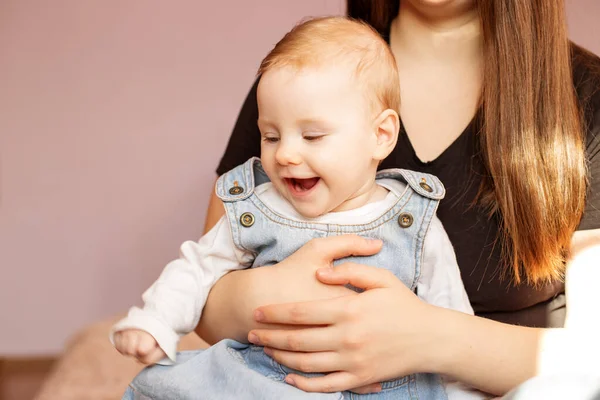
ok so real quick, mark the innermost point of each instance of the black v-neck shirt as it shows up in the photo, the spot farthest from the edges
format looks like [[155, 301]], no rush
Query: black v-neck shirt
[[471, 232]]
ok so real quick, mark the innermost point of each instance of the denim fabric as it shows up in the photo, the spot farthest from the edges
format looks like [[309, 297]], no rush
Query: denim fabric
[[230, 370], [272, 237]]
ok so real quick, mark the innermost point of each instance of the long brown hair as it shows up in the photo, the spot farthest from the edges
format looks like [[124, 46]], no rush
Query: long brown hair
[[531, 131]]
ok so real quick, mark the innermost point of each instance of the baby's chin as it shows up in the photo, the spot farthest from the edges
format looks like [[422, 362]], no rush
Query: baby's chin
[[311, 212]]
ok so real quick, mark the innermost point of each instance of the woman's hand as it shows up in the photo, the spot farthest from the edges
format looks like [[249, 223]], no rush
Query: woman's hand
[[292, 280], [380, 334]]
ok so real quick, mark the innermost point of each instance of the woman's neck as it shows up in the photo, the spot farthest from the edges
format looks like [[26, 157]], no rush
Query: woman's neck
[[449, 31]]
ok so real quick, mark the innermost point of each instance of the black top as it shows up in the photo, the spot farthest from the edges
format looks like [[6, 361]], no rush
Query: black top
[[470, 230]]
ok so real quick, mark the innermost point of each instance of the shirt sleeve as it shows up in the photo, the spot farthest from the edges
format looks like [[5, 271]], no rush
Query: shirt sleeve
[[574, 349], [174, 303], [244, 141], [440, 282]]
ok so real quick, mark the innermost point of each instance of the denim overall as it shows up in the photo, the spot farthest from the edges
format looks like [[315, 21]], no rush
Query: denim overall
[[231, 370]]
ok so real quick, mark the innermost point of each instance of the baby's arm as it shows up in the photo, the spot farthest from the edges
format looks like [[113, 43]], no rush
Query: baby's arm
[[174, 303]]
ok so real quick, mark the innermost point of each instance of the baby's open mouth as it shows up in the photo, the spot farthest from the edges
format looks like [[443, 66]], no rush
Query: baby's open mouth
[[302, 185]]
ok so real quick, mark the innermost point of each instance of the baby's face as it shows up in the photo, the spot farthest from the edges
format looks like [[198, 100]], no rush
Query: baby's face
[[318, 138]]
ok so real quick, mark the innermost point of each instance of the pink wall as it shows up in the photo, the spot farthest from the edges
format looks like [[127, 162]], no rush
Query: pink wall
[[113, 116], [583, 23]]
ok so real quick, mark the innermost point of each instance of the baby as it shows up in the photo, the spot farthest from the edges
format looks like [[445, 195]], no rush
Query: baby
[[328, 103]]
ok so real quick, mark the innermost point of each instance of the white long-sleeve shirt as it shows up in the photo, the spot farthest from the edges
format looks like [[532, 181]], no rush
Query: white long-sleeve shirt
[[174, 303]]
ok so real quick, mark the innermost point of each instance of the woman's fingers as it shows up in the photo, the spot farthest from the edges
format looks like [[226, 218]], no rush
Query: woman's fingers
[[358, 275], [303, 340], [333, 247], [318, 312], [324, 362], [334, 382]]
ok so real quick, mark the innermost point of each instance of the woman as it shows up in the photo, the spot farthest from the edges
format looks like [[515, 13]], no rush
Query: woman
[[506, 112]]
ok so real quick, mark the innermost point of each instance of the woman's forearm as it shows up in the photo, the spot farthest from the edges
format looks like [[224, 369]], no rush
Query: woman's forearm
[[227, 313], [231, 302], [496, 357], [491, 356]]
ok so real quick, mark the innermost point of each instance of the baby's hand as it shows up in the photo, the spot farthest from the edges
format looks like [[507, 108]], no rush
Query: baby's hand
[[138, 344]]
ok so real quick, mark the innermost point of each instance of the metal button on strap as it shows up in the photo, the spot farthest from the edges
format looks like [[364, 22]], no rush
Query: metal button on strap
[[405, 220], [425, 186], [247, 219], [236, 189]]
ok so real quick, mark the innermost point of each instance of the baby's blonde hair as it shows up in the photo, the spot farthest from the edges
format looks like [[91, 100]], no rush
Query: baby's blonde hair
[[341, 41]]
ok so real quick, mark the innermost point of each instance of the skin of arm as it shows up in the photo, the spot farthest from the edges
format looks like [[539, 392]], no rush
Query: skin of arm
[[214, 212], [482, 346]]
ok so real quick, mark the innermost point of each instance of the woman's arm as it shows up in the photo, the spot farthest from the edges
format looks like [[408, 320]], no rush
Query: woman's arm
[[489, 355], [367, 339], [386, 332], [230, 316], [214, 212], [231, 302]]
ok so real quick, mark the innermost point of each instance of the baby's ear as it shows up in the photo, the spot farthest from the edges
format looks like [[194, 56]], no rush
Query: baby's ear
[[387, 126]]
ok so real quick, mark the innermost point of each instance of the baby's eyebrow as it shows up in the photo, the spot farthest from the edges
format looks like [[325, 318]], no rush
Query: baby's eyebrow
[[265, 122], [307, 121], [314, 122]]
